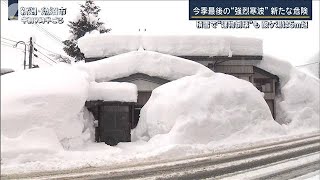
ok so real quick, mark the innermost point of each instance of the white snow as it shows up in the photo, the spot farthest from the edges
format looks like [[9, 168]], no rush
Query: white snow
[[312, 66], [92, 45], [40, 107], [106, 45], [298, 104], [147, 62], [205, 108], [113, 91], [45, 126]]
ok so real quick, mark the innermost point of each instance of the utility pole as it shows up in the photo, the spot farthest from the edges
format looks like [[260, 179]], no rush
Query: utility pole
[[25, 52], [30, 53]]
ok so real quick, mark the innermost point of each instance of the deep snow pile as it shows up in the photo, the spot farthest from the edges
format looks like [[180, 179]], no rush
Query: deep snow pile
[[205, 108], [298, 104], [45, 127], [147, 62], [105, 45], [40, 107], [113, 91]]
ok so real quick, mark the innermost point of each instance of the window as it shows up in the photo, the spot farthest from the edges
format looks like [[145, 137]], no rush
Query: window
[[245, 78], [264, 85]]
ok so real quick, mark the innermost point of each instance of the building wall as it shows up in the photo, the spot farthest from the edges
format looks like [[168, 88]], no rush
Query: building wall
[[144, 85]]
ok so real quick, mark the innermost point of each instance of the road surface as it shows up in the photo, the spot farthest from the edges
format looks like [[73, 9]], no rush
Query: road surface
[[278, 160]]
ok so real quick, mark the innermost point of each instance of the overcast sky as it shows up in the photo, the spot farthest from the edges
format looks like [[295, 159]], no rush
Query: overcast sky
[[158, 17]]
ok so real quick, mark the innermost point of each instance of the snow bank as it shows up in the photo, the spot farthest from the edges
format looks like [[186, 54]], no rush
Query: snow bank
[[205, 108], [298, 104], [40, 107], [147, 62], [106, 45], [113, 91]]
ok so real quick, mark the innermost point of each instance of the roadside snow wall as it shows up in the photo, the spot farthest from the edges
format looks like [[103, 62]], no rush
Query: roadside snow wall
[[95, 45], [205, 108]]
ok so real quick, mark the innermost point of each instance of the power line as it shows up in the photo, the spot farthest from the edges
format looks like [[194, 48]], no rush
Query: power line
[[4, 42], [9, 39], [46, 49], [55, 36], [308, 64], [46, 56], [47, 33], [6, 45], [43, 60], [63, 57], [12, 46]]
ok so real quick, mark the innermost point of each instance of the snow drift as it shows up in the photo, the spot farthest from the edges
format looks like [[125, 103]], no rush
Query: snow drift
[[205, 108], [147, 62], [298, 104], [95, 45], [44, 125], [42, 106]]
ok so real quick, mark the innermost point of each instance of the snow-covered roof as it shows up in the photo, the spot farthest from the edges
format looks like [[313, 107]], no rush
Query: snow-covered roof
[[105, 45], [6, 70], [146, 62], [113, 91]]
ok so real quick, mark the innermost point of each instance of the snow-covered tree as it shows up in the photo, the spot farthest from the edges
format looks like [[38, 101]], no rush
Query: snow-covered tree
[[86, 21]]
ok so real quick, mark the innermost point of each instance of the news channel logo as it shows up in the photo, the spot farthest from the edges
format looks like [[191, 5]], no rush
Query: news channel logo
[[13, 9]]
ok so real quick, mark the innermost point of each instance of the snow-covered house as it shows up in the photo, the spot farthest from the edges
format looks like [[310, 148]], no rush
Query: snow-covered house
[[235, 56]]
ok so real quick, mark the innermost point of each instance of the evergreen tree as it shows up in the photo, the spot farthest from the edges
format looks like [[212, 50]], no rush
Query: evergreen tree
[[87, 21]]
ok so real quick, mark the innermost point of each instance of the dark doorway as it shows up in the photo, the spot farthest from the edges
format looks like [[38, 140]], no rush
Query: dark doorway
[[114, 121], [114, 124], [136, 116]]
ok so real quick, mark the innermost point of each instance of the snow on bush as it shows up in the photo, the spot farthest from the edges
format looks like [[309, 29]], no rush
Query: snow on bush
[[113, 91], [41, 107], [298, 103], [106, 45], [147, 62], [205, 108]]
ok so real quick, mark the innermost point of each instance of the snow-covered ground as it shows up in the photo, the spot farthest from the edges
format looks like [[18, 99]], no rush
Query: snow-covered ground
[[45, 126], [311, 176]]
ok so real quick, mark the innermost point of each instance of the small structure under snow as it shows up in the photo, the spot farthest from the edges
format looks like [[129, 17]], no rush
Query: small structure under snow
[[230, 55], [114, 103], [151, 61], [112, 99]]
